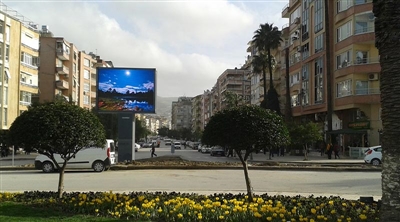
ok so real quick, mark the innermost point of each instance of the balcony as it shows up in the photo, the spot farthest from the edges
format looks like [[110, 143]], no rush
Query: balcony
[[93, 83], [285, 30], [360, 96], [285, 11], [62, 84], [62, 70], [360, 65], [92, 94], [63, 54], [293, 4]]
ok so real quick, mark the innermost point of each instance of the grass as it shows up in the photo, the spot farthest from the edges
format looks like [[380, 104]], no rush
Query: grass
[[16, 212]]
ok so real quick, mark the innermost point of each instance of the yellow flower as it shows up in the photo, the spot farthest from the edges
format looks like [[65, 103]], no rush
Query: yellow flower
[[330, 202], [313, 211], [159, 210], [221, 217], [258, 215], [269, 218], [180, 216], [97, 210], [226, 212]]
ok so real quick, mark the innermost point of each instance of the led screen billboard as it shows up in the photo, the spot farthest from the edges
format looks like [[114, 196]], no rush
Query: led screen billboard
[[126, 90]]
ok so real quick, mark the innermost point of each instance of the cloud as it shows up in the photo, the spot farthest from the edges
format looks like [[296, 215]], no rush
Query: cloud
[[190, 43]]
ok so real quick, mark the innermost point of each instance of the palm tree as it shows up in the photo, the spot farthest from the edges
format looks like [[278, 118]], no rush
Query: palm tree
[[265, 39], [387, 41]]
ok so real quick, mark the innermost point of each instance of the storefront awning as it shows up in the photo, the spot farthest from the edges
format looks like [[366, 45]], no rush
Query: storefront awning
[[347, 131]]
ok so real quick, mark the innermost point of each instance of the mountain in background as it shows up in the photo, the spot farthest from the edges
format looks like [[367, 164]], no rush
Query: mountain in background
[[164, 106]]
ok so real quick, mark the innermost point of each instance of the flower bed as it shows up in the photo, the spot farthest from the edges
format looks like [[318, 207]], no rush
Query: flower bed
[[158, 206]]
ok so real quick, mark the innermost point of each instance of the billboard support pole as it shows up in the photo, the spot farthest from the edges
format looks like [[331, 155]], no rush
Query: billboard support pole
[[133, 137], [126, 149]]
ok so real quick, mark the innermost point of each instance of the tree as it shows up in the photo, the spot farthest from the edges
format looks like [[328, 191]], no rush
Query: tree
[[265, 39], [246, 129], [232, 99], [329, 67], [163, 131], [57, 128], [140, 130], [387, 41], [304, 135]]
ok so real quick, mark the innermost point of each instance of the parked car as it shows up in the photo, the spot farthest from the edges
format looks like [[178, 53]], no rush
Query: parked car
[[167, 142], [177, 145], [373, 155], [137, 147], [217, 151], [97, 158], [146, 145], [195, 145], [205, 149]]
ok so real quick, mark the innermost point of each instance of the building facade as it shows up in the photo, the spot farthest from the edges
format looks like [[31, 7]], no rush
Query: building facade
[[354, 66], [19, 61], [181, 115]]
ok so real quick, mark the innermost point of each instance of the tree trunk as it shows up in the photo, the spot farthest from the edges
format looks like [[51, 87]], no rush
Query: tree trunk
[[329, 67], [288, 104], [305, 152], [61, 180], [387, 31], [271, 82], [246, 176], [265, 86]]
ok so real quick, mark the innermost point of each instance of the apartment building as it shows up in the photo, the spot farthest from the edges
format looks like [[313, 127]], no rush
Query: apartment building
[[197, 110], [354, 65], [181, 115], [234, 81], [19, 44], [66, 72]]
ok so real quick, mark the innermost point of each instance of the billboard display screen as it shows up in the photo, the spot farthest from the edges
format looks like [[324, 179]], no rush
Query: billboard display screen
[[126, 90]]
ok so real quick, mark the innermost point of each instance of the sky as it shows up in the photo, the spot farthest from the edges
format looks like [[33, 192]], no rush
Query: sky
[[123, 80], [189, 42]]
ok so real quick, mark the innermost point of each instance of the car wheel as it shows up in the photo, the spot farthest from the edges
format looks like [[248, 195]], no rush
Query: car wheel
[[98, 166], [375, 162], [47, 167]]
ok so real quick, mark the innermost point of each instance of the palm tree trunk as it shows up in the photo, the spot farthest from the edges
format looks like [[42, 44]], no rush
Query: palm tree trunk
[[387, 41], [271, 82], [288, 104], [329, 80], [265, 84], [246, 176]]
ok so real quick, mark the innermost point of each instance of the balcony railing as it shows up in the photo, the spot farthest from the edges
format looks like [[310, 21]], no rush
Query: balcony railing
[[62, 70], [24, 103], [62, 84], [363, 30], [371, 60], [367, 91]]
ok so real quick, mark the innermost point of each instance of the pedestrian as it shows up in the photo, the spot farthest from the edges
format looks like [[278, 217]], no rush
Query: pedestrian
[[153, 150], [336, 151], [329, 148]]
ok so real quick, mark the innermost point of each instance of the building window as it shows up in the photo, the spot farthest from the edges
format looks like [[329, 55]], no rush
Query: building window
[[319, 43], [1, 51], [319, 15], [295, 15], [319, 81], [343, 5], [305, 21], [5, 95], [343, 88], [361, 88], [305, 72], [305, 50], [364, 23], [305, 92], [295, 78], [31, 61], [25, 98], [344, 31], [361, 57], [86, 62], [86, 100], [5, 116], [295, 100], [86, 74], [86, 87], [343, 60], [294, 58], [7, 33], [7, 52], [74, 68]]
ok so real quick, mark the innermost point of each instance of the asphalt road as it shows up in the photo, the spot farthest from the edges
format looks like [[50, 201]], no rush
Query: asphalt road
[[348, 185]]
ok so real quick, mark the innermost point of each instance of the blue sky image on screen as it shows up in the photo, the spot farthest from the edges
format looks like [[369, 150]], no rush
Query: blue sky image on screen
[[127, 89]]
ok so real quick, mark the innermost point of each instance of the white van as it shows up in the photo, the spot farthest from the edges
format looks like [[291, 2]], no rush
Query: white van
[[98, 159]]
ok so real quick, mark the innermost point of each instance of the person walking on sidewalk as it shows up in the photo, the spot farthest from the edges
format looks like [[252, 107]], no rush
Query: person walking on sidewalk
[[329, 149], [153, 150], [336, 150]]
